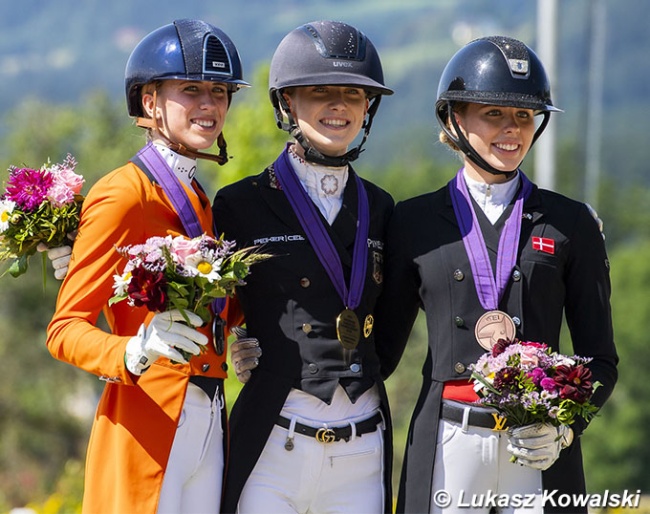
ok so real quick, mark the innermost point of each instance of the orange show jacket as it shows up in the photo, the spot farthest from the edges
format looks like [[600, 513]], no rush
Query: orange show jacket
[[136, 417]]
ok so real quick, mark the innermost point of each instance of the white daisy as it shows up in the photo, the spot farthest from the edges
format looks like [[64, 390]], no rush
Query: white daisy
[[121, 283], [6, 208], [203, 266]]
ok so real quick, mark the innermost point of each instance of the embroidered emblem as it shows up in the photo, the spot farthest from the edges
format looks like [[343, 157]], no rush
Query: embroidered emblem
[[544, 244], [273, 179], [329, 184], [377, 267], [368, 323]]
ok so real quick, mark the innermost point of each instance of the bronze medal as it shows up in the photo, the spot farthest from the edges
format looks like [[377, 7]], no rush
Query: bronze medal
[[348, 330], [492, 326]]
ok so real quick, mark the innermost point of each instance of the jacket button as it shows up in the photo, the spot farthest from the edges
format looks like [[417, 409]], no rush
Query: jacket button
[[355, 368], [459, 367], [306, 328], [516, 275], [205, 367], [459, 321], [459, 275], [305, 282], [313, 368], [516, 321]]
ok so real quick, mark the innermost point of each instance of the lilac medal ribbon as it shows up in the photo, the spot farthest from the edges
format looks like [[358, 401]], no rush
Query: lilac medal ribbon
[[164, 175], [317, 234], [489, 289]]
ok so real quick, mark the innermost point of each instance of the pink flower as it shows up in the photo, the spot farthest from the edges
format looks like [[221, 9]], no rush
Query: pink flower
[[68, 178], [529, 356], [28, 187], [60, 194], [183, 248], [548, 384], [537, 375]]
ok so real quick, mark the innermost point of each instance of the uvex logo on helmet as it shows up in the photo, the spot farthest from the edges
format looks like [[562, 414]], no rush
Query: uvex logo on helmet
[[342, 64]]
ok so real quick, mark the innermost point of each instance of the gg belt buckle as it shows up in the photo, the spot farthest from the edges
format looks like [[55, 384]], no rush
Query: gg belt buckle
[[499, 422], [325, 435]]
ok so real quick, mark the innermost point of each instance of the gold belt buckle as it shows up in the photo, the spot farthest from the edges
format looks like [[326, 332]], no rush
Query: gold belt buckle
[[325, 435], [499, 422]]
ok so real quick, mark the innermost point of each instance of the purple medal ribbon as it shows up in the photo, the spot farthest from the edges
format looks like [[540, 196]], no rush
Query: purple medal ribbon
[[489, 289], [172, 187], [317, 234]]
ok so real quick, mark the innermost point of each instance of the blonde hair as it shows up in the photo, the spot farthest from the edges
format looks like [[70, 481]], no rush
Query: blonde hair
[[456, 107]]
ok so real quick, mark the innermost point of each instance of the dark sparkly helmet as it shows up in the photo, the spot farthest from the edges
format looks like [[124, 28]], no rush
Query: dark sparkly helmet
[[496, 70]]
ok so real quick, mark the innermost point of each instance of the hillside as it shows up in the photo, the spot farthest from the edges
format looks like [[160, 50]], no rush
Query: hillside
[[60, 50]]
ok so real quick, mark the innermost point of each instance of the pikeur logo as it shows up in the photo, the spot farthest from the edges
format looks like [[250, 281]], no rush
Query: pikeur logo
[[342, 64]]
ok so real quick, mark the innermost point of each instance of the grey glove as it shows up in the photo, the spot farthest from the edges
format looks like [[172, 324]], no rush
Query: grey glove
[[538, 446], [245, 353], [163, 338], [60, 258]]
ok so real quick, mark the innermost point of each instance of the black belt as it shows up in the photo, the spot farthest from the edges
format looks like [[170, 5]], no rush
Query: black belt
[[477, 417], [208, 384], [331, 434]]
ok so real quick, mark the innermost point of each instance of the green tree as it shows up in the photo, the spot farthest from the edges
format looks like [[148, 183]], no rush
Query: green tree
[[616, 456]]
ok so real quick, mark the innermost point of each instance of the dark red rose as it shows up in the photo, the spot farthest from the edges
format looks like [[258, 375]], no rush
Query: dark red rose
[[500, 346], [149, 289], [574, 382]]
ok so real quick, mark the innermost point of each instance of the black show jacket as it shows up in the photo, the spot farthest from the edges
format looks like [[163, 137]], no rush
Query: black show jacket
[[290, 306], [427, 267]]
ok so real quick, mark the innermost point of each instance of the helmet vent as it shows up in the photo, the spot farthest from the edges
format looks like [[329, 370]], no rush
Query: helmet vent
[[216, 57], [338, 41]]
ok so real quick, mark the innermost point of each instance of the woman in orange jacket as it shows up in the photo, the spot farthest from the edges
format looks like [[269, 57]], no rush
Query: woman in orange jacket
[[157, 442]]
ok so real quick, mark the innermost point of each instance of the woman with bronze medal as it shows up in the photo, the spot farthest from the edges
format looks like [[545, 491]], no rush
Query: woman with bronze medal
[[310, 430], [492, 257]]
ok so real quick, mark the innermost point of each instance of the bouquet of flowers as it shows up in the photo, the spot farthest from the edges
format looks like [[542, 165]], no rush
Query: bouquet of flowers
[[167, 273], [529, 383], [38, 206]]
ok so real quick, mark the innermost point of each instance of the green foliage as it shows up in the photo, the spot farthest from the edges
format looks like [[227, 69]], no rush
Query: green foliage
[[616, 456]]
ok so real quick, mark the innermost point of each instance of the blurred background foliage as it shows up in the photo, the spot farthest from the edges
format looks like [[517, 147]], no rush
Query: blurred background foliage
[[46, 407]]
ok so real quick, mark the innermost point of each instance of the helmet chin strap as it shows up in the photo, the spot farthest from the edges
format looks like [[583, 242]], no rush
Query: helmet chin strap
[[313, 155], [152, 123], [463, 144]]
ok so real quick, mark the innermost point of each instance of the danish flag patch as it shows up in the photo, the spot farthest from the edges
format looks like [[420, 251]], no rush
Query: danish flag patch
[[544, 244]]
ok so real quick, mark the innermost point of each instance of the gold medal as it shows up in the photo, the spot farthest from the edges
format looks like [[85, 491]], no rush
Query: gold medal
[[492, 326], [368, 323], [348, 330]]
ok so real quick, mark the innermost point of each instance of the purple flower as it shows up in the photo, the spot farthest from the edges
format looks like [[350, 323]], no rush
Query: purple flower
[[537, 375], [28, 187], [548, 384]]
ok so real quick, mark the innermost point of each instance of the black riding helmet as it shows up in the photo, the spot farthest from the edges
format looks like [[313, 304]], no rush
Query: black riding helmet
[[494, 70], [186, 50], [325, 53]]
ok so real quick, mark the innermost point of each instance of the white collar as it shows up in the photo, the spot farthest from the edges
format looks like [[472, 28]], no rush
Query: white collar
[[492, 198], [322, 181], [183, 167]]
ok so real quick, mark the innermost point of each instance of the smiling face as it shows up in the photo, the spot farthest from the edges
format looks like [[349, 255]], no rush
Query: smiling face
[[501, 135], [191, 113], [330, 117]]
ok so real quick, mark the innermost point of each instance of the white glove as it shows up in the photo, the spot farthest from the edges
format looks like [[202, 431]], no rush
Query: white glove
[[538, 446], [164, 337], [244, 354], [60, 258]]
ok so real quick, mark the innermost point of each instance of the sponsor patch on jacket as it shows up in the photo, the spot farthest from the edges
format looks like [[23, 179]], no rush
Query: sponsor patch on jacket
[[283, 238], [544, 244]]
